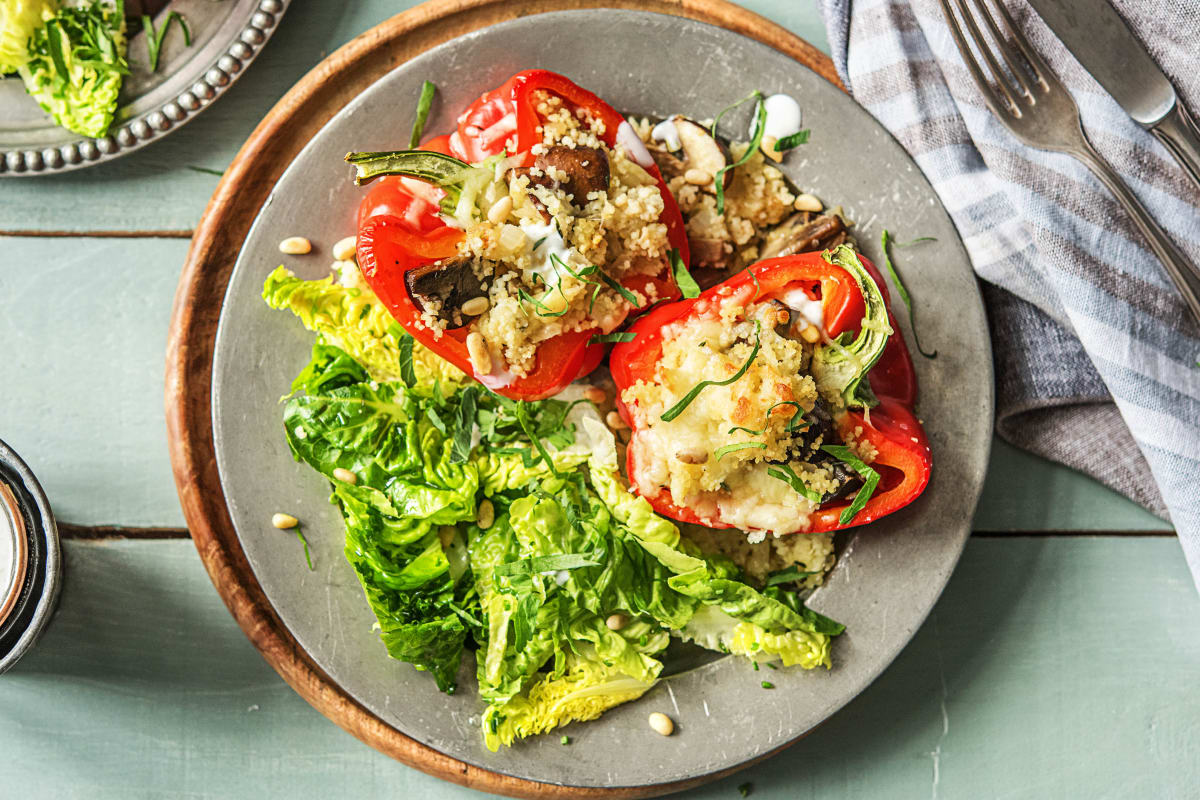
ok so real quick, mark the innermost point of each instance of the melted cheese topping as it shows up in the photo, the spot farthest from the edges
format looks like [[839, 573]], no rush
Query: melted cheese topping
[[682, 454]]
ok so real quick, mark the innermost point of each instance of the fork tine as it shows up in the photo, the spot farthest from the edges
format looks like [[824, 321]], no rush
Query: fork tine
[[993, 65], [989, 95], [1020, 68], [1039, 67]]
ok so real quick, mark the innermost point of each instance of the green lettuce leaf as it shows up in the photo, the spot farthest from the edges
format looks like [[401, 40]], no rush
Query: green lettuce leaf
[[714, 629], [76, 65], [19, 19], [356, 322]]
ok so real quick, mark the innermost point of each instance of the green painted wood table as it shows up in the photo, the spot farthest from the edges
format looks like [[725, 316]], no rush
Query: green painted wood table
[[1060, 663]]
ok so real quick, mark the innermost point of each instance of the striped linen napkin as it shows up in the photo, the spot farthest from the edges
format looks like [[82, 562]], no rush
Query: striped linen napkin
[[1096, 355]]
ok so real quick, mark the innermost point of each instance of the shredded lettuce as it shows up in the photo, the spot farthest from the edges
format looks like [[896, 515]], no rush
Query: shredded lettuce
[[76, 64], [19, 19]]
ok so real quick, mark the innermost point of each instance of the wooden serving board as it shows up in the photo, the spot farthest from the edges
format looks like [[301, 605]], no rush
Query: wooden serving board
[[215, 247]]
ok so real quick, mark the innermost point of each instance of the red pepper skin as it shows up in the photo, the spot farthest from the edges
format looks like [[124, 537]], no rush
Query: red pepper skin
[[400, 228], [903, 457]]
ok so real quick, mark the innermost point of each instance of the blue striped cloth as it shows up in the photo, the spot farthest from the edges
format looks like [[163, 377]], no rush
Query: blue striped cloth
[[1096, 354]]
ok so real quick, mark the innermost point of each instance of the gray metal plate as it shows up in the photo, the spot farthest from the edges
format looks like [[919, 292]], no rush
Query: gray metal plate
[[226, 37], [889, 575]]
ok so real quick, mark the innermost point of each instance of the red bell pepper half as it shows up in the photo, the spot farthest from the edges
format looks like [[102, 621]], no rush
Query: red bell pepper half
[[400, 226], [883, 411]]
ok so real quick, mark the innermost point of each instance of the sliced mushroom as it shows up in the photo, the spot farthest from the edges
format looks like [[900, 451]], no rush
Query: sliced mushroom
[[669, 164], [821, 431], [800, 233], [700, 150], [585, 170], [450, 282]]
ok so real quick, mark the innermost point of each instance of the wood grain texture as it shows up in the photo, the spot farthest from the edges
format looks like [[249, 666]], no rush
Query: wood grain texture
[[1032, 679], [239, 196]]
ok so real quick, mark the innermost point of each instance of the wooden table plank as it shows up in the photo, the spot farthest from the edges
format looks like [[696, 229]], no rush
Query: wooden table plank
[[153, 190], [84, 331], [1052, 667]]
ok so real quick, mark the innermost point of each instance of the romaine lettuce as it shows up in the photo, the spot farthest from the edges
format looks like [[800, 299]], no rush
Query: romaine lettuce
[[19, 19], [76, 65]]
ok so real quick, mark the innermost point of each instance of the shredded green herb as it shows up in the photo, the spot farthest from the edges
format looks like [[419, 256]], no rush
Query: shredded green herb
[[303, 541], [683, 279], [620, 336], [793, 423], [784, 473], [755, 663], [404, 339], [870, 480], [789, 575], [206, 170], [154, 38], [768, 685], [423, 105], [677, 409], [464, 427], [795, 140], [745, 789], [756, 135], [721, 452], [565, 740], [619, 289], [885, 240]]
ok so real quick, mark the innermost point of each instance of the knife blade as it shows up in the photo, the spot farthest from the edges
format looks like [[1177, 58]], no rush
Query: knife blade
[[1102, 42]]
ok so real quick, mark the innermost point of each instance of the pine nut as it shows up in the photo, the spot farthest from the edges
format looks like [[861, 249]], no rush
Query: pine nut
[[500, 210], [616, 621], [345, 476], [475, 306], [697, 177], [345, 249], [295, 246], [661, 723], [810, 334], [594, 394], [614, 421], [284, 521], [768, 148], [486, 515], [481, 359], [808, 202]]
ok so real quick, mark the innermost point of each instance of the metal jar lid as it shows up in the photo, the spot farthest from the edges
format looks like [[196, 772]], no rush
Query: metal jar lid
[[30, 566]]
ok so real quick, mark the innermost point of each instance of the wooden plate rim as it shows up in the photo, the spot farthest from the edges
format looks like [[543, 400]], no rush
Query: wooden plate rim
[[199, 296]]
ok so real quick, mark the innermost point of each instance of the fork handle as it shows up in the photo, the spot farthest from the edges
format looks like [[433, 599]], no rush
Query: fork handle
[[1185, 275], [1177, 130]]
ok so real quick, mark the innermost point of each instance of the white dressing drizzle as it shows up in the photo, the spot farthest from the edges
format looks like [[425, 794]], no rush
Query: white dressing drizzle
[[809, 309], [783, 116]]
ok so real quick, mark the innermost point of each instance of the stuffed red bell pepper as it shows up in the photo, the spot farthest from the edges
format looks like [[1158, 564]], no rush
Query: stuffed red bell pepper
[[778, 401], [506, 246]]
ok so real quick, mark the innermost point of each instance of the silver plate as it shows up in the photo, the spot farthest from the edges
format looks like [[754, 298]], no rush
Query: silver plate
[[890, 573], [226, 37]]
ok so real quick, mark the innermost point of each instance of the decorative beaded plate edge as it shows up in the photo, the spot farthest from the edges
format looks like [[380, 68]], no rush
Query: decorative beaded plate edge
[[202, 78]]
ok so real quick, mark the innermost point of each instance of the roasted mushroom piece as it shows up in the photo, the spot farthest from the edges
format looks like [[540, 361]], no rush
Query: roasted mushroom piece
[[802, 233], [576, 171], [443, 287], [820, 431], [701, 150]]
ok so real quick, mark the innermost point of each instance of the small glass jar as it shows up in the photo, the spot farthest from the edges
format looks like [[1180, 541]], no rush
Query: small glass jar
[[30, 563]]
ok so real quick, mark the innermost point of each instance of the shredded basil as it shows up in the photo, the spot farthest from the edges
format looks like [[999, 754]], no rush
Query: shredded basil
[[757, 286], [604, 338], [522, 414], [746, 788], [404, 340], [464, 427], [423, 105], [795, 140], [543, 310], [721, 452], [760, 124], [436, 420], [796, 419], [206, 170], [677, 409], [768, 685], [784, 473], [885, 240], [789, 575], [621, 290], [154, 38], [683, 279], [303, 541], [870, 480]]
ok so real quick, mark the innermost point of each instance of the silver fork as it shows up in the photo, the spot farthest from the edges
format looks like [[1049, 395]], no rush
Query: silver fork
[[1032, 103]]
